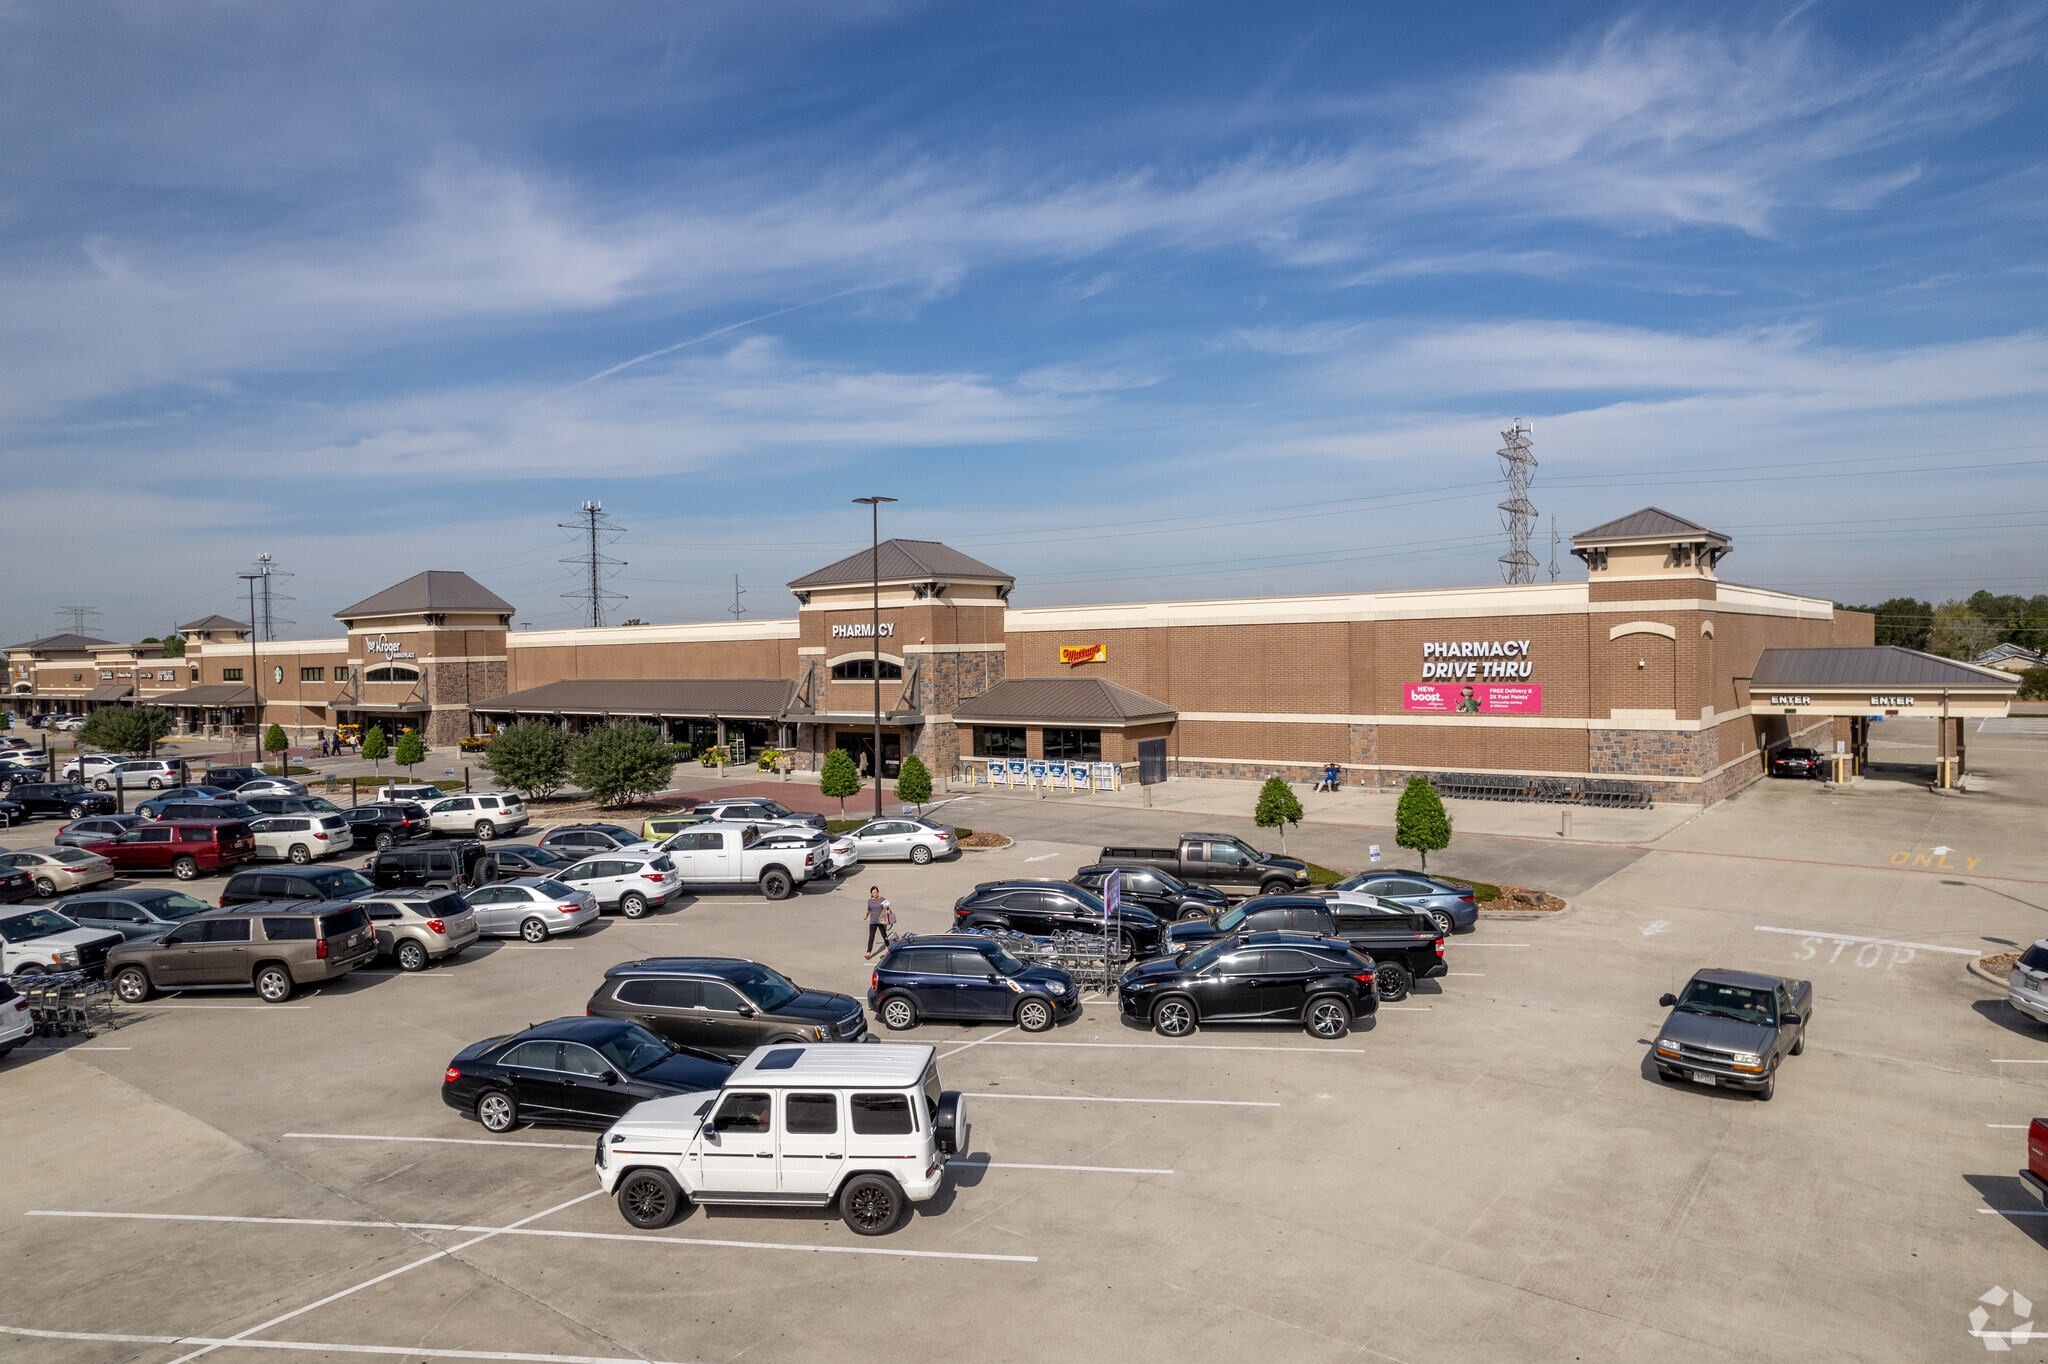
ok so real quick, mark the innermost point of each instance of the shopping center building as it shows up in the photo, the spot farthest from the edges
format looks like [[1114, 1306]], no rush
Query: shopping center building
[[1648, 669]]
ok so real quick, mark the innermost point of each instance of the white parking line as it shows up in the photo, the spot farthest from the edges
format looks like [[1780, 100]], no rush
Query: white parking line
[[1493, 944], [1167, 1046], [536, 947], [1100, 1099], [319, 1347], [439, 1141], [1882, 942], [2019, 1061], [1464, 973], [403, 975], [2008, 1126], [979, 1041], [521, 1229], [2016, 1212], [78, 1049], [1083, 1169], [264, 1007]]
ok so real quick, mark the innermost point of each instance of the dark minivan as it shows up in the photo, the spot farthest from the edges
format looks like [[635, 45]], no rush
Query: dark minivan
[[724, 1004], [304, 884]]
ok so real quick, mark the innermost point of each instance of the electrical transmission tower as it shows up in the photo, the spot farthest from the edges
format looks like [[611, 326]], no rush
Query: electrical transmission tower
[[270, 598], [736, 610], [1553, 547], [1518, 565], [80, 616], [597, 530]]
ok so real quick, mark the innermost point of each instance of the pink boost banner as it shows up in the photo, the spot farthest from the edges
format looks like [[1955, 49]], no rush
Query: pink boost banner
[[1474, 698]]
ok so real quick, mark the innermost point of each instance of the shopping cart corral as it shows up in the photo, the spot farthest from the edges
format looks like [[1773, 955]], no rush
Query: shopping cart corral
[[65, 1003], [1094, 964]]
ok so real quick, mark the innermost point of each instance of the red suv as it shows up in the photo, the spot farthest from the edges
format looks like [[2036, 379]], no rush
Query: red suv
[[185, 848]]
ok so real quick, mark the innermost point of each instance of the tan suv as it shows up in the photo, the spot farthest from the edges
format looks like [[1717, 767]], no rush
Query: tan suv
[[416, 932], [273, 946]]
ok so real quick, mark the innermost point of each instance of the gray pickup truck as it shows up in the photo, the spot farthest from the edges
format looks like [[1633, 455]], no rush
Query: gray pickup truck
[[1221, 860], [1732, 1029]]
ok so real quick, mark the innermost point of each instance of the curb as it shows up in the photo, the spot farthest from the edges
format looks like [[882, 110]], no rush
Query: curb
[[1510, 916], [1008, 843], [1975, 966]]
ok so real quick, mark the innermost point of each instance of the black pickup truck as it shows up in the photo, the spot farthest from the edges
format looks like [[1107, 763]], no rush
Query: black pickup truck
[[1221, 860], [1404, 947]]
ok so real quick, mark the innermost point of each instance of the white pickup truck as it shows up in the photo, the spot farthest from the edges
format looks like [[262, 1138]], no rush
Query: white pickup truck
[[719, 854], [36, 941]]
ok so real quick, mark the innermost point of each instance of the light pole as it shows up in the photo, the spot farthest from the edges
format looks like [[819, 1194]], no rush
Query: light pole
[[256, 666], [874, 506]]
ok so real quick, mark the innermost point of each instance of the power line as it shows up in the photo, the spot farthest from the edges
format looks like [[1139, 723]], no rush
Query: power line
[[79, 616], [737, 592], [1517, 466], [270, 598], [597, 529]]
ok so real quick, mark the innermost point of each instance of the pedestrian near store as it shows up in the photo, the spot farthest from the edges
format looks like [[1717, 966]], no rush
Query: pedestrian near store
[[881, 918], [1331, 777]]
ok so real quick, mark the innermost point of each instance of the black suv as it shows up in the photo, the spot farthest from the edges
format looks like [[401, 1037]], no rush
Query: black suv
[[1320, 984], [724, 1004], [581, 840], [60, 799], [213, 810], [441, 866], [966, 975], [295, 883], [386, 823], [228, 778], [1159, 891], [1042, 907], [524, 859]]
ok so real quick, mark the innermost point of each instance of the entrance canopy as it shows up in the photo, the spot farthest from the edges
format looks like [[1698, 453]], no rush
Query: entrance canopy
[[724, 698], [1094, 701], [1876, 680]]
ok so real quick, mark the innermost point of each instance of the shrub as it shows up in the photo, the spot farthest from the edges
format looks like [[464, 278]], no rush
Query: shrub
[[840, 777], [1277, 808], [531, 758], [375, 748], [622, 761], [1420, 821], [2034, 684], [914, 782], [276, 741], [769, 757], [121, 729], [410, 752]]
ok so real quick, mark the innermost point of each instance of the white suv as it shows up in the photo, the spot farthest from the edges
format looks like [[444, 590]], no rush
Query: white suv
[[91, 767], [630, 880], [17, 1025], [866, 1128], [301, 838], [486, 817]]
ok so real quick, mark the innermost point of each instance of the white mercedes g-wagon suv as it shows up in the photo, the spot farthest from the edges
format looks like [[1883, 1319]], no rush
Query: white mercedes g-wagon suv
[[867, 1128]]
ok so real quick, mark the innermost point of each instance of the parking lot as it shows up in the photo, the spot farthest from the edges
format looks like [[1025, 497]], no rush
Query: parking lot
[[1490, 1171]]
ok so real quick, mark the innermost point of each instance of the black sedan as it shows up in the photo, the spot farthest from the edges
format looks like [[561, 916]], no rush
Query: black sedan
[[11, 814], [60, 799], [1315, 983], [229, 778], [97, 829], [1038, 908], [584, 1072], [514, 860], [388, 823], [15, 886], [1159, 891], [1798, 762]]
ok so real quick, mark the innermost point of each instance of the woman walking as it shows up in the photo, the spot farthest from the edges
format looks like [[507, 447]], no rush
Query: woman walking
[[881, 919]]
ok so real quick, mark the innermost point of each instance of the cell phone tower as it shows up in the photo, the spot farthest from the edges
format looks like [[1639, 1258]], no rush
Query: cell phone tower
[[270, 598], [1517, 516], [596, 529]]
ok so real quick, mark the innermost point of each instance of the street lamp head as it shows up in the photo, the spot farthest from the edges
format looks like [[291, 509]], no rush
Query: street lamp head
[[871, 501]]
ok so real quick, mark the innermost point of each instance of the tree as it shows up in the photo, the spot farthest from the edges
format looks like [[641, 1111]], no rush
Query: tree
[[1420, 821], [274, 741], [174, 646], [634, 621], [1903, 622], [1277, 808], [1960, 632], [410, 752], [621, 761], [840, 777], [913, 782], [375, 747], [121, 729], [2034, 684], [531, 758]]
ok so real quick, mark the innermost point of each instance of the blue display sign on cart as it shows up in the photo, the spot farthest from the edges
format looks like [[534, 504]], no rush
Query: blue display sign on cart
[[1017, 771], [1037, 773], [998, 774]]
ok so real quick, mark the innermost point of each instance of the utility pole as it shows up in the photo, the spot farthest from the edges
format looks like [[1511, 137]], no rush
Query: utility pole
[[596, 529], [79, 616], [1518, 565], [1553, 547], [255, 667], [874, 506], [272, 577], [736, 610]]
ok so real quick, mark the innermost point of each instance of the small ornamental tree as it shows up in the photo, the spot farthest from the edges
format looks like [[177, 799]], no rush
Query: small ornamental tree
[[1277, 808], [914, 783], [275, 741], [621, 761], [1420, 821], [410, 752], [375, 747], [840, 778], [121, 729], [531, 758]]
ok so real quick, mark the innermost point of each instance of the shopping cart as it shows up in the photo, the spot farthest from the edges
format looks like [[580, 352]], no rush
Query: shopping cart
[[66, 1003], [1094, 964]]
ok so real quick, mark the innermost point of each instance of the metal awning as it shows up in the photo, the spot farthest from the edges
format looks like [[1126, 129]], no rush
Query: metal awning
[[1876, 680], [111, 691], [682, 698], [213, 695]]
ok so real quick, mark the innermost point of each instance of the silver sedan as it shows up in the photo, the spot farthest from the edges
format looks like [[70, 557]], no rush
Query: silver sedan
[[896, 840]]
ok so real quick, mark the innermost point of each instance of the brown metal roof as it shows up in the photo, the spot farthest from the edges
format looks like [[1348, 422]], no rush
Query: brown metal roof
[[110, 691], [1874, 666], [435, 590], [216, 623], [731, 697], [1060, 700], [213, 694], [1648, 521], [64, 641], [903, 561]]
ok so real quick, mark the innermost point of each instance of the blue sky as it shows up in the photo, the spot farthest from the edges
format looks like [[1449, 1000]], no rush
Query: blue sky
[[1135, 301]]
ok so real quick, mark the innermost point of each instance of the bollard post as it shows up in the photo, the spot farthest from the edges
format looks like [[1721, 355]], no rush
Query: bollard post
[[1566, 830], [465, 779], [351, 793]]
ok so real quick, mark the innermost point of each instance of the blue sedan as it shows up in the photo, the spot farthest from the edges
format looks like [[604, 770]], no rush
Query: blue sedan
[[1455, 908], [149, 809]]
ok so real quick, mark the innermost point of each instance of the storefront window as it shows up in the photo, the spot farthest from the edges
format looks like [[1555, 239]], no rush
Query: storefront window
[[341, 674], [312, 674], [998, 741], [230, 674], [863, 670], [393, 672], [1074, 745]]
